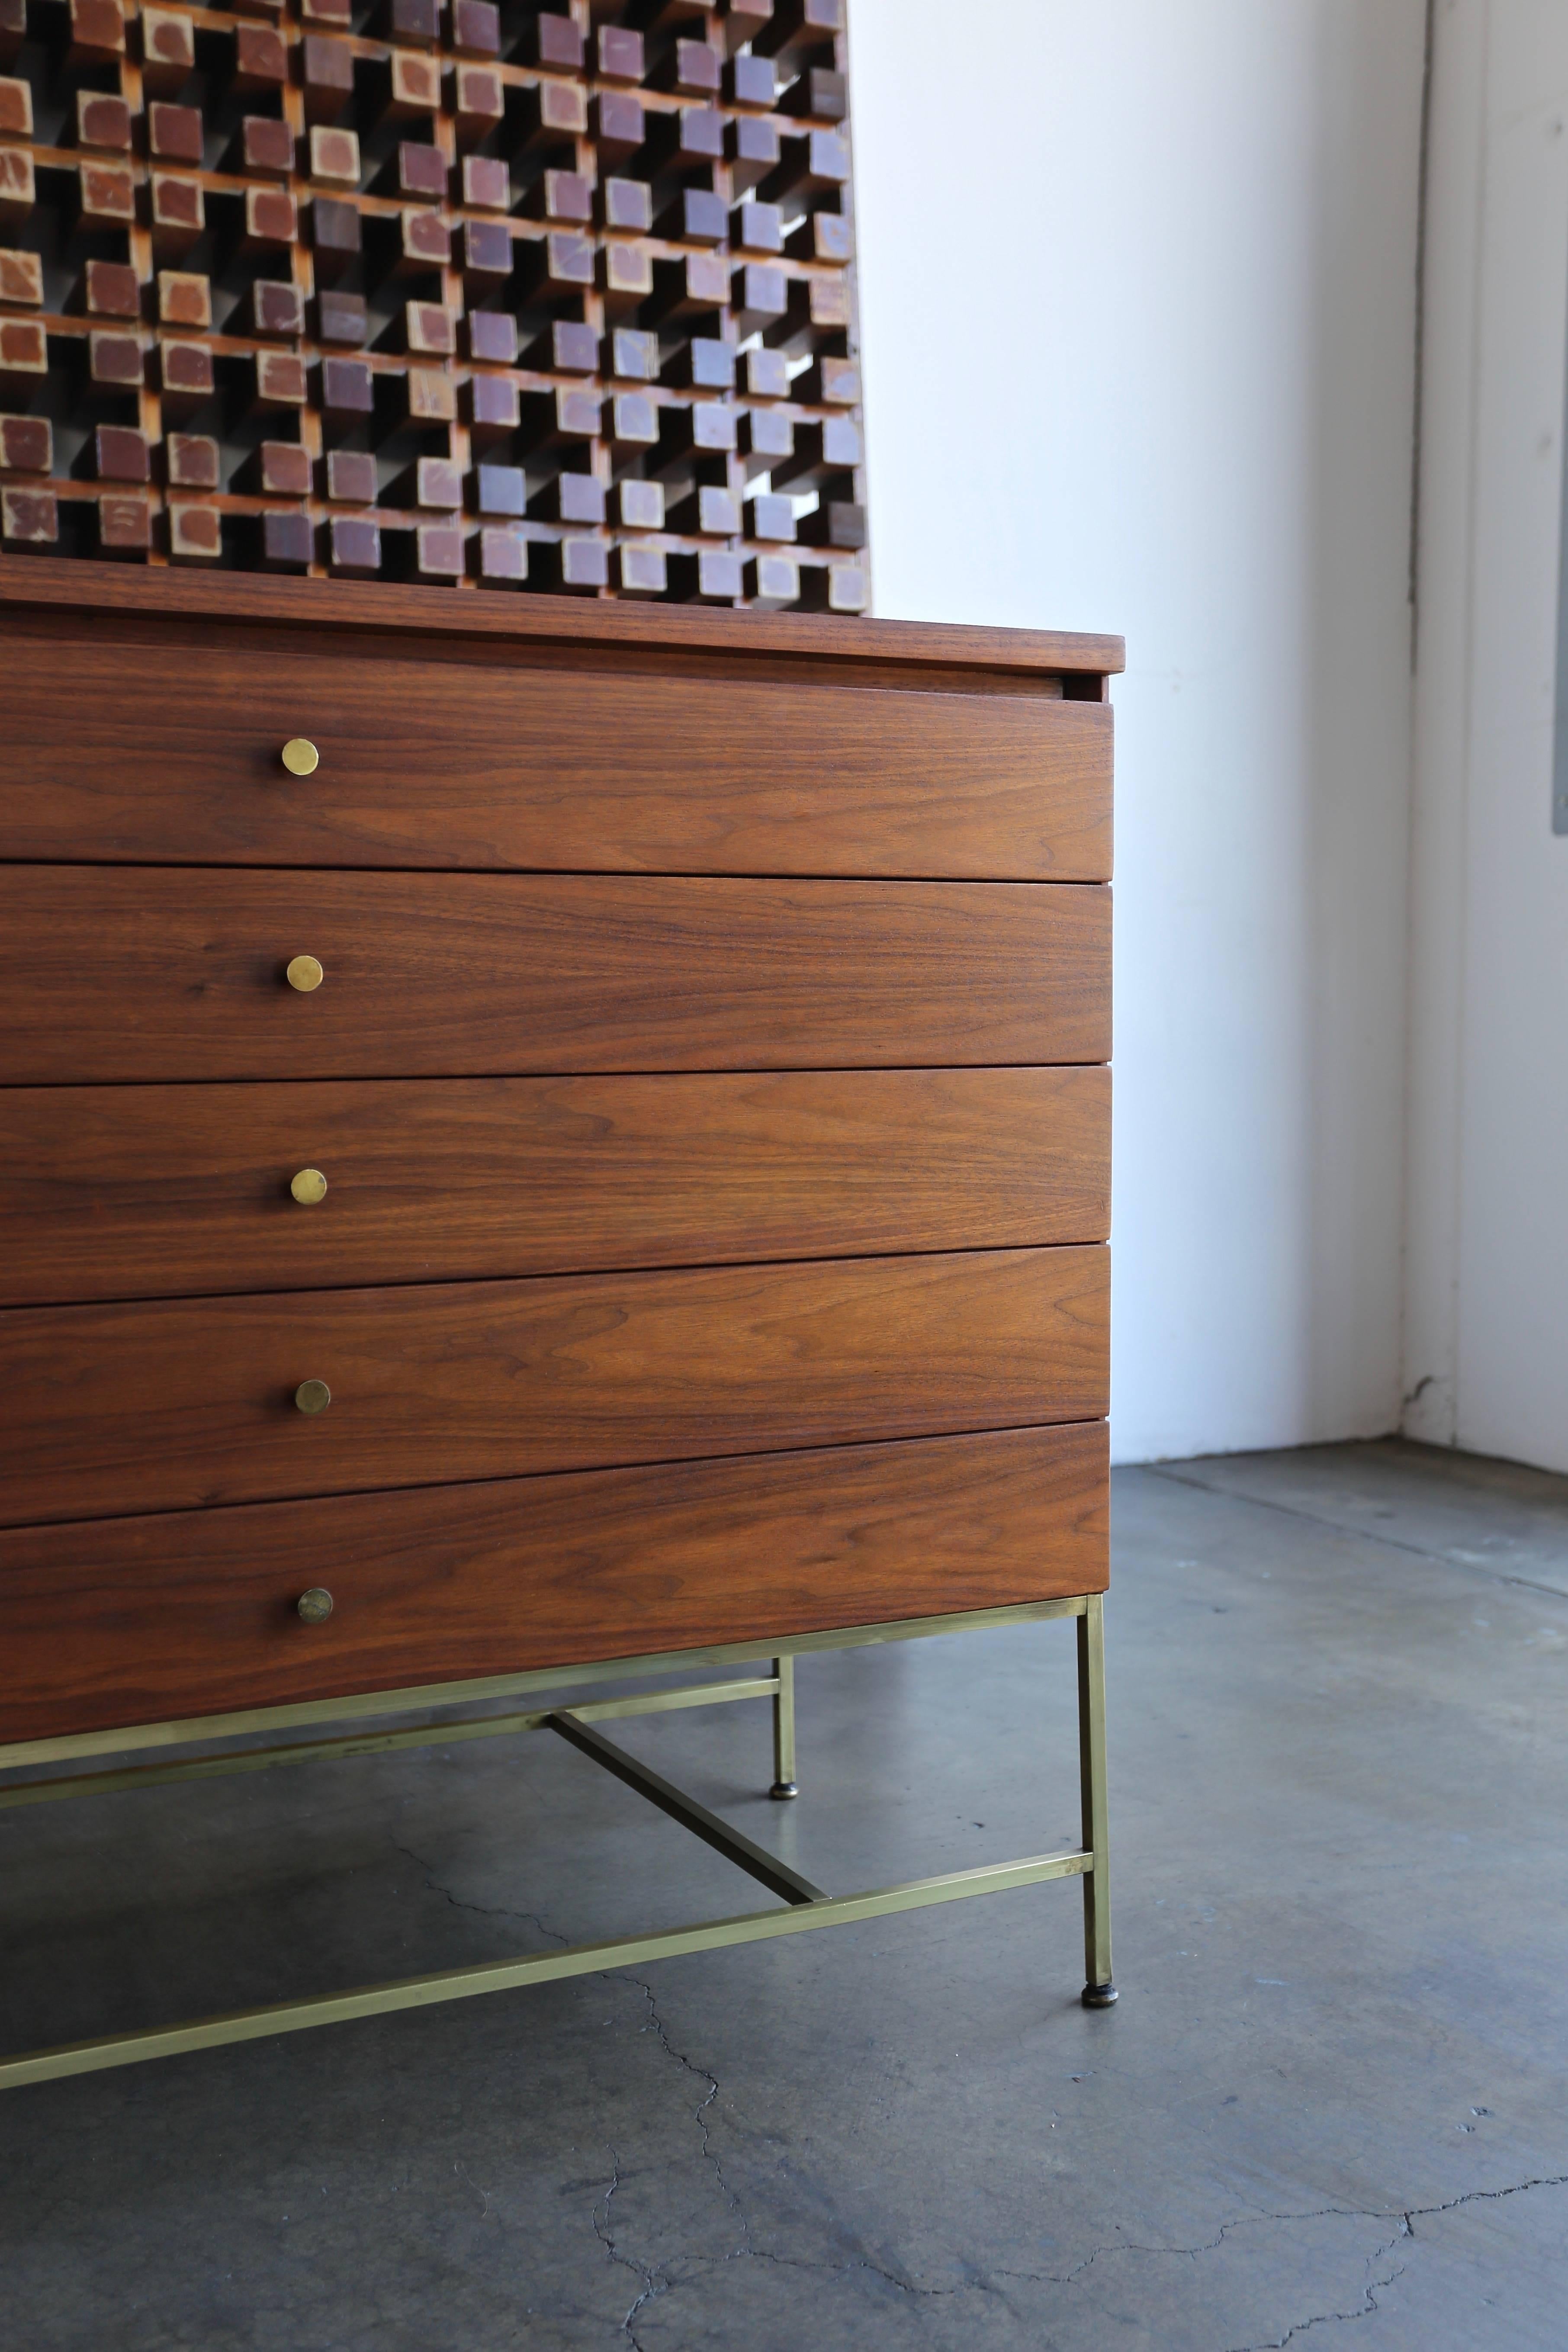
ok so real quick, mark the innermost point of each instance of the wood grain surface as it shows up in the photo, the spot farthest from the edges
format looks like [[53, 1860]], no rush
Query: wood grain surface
[[160, 1191], [198, 601], [155, 972], [144, 1619], [181, 1404], [440, 764]]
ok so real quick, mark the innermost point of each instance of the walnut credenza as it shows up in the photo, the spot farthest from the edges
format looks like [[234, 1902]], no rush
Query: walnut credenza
[[540, 1143]]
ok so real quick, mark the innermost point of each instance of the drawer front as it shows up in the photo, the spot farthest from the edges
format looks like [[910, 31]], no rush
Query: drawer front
[[152, 973], [145, 1619], [170, 1190], [181, 1404], [443, 764]]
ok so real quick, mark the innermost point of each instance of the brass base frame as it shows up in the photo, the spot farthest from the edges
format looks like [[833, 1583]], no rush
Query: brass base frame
[[805, 1905]]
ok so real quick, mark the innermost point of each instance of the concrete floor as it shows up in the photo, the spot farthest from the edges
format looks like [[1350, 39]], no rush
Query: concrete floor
[[1332, 2099]]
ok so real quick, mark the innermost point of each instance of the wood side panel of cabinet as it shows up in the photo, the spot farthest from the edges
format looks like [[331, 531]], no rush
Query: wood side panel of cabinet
[[155, 972], [159, 1191], [432, 763], [151, 1619], [181, 1404]]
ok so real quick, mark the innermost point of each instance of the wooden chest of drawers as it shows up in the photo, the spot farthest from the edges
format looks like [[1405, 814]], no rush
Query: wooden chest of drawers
[[706, 1071]]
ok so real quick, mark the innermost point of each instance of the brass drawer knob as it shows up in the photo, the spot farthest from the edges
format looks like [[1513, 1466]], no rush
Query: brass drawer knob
[[304, 973], [315, 1606], [309, 1187], [312, 1396], [300, 757]]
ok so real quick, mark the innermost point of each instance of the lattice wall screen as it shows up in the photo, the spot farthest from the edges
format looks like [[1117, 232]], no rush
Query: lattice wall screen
[[521, 296]]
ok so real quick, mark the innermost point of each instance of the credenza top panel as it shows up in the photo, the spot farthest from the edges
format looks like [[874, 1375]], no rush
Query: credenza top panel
[[822, 643]]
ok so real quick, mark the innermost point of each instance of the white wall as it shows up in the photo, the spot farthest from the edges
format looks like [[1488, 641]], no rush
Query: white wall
[[1138, 284], [1486, 1326]]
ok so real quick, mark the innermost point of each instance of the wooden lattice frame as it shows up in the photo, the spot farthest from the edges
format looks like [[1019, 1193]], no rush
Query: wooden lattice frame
[[409, 196]]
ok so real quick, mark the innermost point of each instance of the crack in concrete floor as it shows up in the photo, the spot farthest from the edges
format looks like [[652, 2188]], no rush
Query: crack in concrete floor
[[654, 2281], [1405, 2231], [1369, 2307]]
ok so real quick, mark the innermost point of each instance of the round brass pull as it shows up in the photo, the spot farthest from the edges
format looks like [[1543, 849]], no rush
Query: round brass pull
[[309, 1187], [315, 1606], [312, 1396], [300, 757], [304, 973]]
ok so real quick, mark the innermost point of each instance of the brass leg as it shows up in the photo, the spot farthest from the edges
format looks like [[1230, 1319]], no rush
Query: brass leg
[[784, 1730], [1099, 1990]]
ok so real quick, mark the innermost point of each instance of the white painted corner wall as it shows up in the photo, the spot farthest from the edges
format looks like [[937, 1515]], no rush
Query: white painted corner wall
[[1138, 288], [1487, 1304]]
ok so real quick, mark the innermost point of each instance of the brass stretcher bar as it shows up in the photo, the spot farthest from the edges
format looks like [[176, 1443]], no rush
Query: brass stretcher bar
[[805, 1905]]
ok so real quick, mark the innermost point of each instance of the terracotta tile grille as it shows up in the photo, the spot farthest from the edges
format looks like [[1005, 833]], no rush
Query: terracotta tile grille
[[505, 296]]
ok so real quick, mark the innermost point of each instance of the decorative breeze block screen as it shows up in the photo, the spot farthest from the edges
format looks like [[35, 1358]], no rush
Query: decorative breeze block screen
[[522, 297]]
